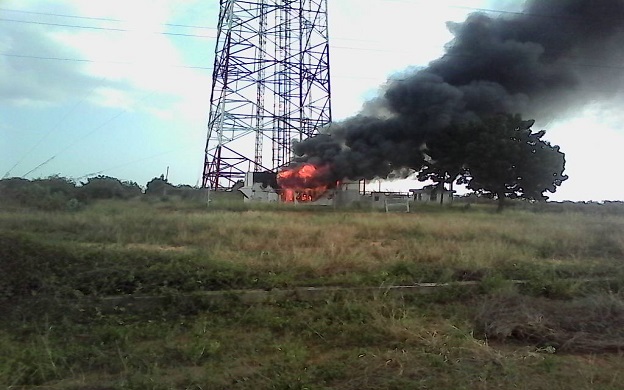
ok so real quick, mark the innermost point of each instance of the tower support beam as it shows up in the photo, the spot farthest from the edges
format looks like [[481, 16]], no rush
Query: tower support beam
[[270, 85]]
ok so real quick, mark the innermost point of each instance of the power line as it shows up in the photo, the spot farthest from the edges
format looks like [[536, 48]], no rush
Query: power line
[[98, 18], [38, 166], [606, 66], [509, 12], [175, 66], [476, 9], [97, 61], [73, 109], [580, 64], [115, 29], [163, 24], [127, 163], [54, 127], [368, 49], [415, 2], [77, 140]]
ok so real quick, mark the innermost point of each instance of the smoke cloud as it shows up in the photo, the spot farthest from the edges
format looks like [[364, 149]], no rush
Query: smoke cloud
[[545, 62]]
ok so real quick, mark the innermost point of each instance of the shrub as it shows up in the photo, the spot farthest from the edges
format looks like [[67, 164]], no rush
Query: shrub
[[105, 187], [44, 194], [27, 266]]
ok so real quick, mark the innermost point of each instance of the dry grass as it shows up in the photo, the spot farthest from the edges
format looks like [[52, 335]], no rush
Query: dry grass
[[519, 244], [593, 324], [346, 342]]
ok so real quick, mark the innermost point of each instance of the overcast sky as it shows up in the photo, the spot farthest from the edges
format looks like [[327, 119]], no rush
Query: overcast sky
[[126, 94]]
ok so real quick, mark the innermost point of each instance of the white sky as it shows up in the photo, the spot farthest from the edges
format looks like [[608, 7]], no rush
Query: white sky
[[139, 100]]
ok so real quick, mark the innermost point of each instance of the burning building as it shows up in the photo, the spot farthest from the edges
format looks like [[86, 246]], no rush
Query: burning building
[[309, 184], [305, 183], [301, 183]]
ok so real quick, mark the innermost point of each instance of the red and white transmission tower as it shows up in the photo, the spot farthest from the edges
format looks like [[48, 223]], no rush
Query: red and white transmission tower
[[270, 85]]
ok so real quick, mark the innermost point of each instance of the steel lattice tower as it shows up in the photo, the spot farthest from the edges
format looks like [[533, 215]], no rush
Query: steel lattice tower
[[270, 85]]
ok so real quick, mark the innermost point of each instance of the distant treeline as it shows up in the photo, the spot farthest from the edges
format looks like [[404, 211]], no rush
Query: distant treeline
[[60, 193], [604, 207], [57, 193]]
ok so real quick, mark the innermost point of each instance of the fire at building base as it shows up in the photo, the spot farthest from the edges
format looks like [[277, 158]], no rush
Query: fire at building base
[[269, 187]]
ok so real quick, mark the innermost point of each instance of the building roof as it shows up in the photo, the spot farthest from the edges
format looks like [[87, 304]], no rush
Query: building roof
[[430, 189]]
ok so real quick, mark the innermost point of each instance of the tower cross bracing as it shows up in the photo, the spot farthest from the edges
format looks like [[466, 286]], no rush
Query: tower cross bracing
[[270, 85]]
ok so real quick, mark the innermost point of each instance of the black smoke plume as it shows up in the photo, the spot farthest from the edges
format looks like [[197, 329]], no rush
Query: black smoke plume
[[552, 58]]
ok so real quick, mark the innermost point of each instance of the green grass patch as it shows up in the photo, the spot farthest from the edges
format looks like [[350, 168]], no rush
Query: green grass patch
[[343, 343], [51, 261]]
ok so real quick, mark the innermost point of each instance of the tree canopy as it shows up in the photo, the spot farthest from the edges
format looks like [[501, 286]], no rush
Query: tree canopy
[[105, 187], [500, 157], [446, 155]]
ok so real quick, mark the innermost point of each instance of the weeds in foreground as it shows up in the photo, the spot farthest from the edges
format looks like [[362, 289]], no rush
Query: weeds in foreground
[[342, 343], [345, 342]]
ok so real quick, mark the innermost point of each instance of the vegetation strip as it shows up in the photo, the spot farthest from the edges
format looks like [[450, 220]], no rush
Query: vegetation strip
[[139, 303], [162, 293]]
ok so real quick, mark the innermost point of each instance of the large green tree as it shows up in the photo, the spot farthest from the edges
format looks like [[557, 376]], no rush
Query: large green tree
[[505, 159], [445, 151]]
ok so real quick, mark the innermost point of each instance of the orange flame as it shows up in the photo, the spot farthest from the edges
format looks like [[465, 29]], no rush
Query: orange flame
[[303, 183]]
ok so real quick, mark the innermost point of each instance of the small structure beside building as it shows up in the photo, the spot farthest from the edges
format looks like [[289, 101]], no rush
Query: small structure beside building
[[432, 194], [349, 193], [260, 187], [390, 201]]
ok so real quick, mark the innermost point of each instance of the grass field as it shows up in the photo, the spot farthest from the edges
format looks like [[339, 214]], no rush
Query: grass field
[[554, 332]]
